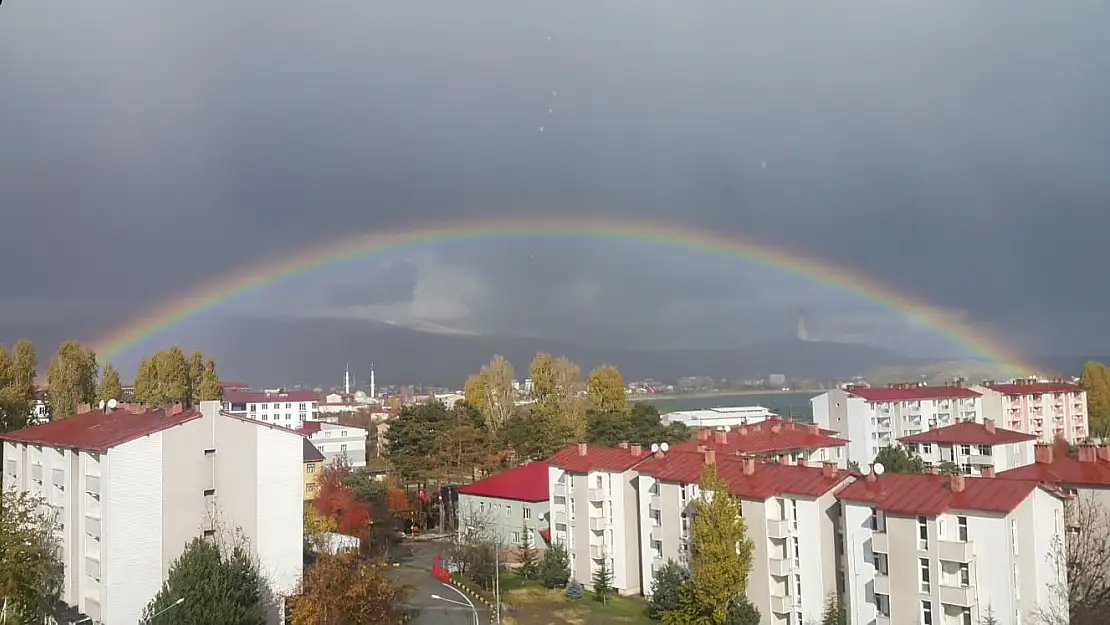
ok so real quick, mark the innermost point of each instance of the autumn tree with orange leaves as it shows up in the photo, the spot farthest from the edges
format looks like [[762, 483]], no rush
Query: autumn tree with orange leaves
[[344, 589], [334, 500]]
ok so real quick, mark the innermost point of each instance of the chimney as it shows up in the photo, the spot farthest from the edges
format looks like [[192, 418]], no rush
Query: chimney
[[636, 450], [175, 410], [871, 475], [813, 428], [784, 459], [623, 445], [958, 483], [743, 430], [932, 471], [749, 465], [659, 455], [987, 472], [720, 437], [1042, 453], [801, 461], [788, 419], [582, 449], [702, 448], [83, 408], [829, 470], [989, 424], [775, 428], [703, 434], [1087, 453], [710, 457], [1104, 453]]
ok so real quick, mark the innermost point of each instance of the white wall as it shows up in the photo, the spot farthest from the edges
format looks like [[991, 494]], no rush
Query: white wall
[[859, 563], [280, 508]]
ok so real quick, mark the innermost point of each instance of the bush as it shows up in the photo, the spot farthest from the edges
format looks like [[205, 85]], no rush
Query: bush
[[574, 591], [742, 612], [555, 567]]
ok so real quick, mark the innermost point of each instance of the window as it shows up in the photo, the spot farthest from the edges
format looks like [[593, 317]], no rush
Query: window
[[926, 448], [882, 604], [560, 527], [343, 447], [311, 467], [327, 434], [961, 528], [516, 537], [965, 450], [965, 617], [984, 450], [265, 406], [265, 418], [288, 406], [794, 513], [798, 587], [965, 576], [874, 520], [912, 448], [310, 487], [1014, 535], [343, 433], [926, 613], [209, 452], [208, 492], [527, 513], [254, 407], [301, 407], [508, 512], [922, 533], [797, 550], [209, 533], [923, 574]]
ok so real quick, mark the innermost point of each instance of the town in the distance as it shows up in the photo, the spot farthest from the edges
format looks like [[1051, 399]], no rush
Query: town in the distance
[[551, 496]]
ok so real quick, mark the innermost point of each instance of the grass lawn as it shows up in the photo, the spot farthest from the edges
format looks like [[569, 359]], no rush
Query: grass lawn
[[533, 604]]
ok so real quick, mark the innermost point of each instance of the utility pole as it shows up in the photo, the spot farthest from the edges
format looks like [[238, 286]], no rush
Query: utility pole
[[497, 578]]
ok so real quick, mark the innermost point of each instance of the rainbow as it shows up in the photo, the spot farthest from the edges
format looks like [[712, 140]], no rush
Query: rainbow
[[211, 294]]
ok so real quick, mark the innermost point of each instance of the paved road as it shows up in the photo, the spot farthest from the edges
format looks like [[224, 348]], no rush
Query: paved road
[[452, 607]]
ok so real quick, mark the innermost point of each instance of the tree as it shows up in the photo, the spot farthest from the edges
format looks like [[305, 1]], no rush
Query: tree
[[71, 377], [534, 435], [343, 589], [110, 386], [1096, 381], [527, 559], [1083, 563], [146, 381], [219, 584], [491, 391], [642, 425], [988, 617], [555, 566], [607, 392], [195, 376], [742, 612], [210, 388], [335, 501], [316, 528], [17, 385], [573, 591], [32, 574], [897, 459], [948, 468], [667, 586], [173, 376], [835, 614], [413, 440], [603, 581]]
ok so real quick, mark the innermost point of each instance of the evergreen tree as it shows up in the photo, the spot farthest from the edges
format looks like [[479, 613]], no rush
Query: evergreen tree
[[527, 558], [667, 586], [835, 614], [742, 612], [110, 386], [603, 581], [897, 459], [555, 566], [195, 368], [210, 389], [71, 377], [573, 591], [218, 584]]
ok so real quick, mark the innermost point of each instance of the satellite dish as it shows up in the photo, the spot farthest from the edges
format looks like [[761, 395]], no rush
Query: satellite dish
[[102, 404], [879, 468], [865, 469], [112, 404], [664, 447], [654, 447]]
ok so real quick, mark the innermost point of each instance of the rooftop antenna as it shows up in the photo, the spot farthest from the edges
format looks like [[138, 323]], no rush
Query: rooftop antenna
[[865, 469], [664, 447], [654, 447], [879, 468], [112, 404], [102, 404]]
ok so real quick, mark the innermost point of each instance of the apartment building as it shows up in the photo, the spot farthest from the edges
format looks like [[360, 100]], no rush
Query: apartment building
[[334, 440], [974, 447], [790, 513], [511, 507], [872, 418], [1045, 409], [593, 511], [289, 409], [948, 550], [314, 463], [773, 437], [1087, 474], [133, 486]]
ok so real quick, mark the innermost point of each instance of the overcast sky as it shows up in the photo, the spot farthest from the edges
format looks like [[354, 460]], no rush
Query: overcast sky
[[955, 151]]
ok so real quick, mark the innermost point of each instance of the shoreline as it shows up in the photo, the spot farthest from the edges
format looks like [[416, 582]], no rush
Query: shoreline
[[710, 394]]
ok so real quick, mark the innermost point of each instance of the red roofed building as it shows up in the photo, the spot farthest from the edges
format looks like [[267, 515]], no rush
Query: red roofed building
[[132, 486], [875, 417], [287, 408], [942, 549], [790, 515], [594, 507], [1085, 474], [1045, 409], [508, 504], [772, 437], [974, 447]]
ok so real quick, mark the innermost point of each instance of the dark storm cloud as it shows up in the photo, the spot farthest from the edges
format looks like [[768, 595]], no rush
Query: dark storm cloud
[[395, 282], [955, 151]]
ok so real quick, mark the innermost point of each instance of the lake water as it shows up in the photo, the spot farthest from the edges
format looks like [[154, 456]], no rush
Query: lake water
[[795, 405]]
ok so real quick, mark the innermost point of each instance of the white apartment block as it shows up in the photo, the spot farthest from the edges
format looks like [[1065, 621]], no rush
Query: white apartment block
[[132, 487], [1045, 409], [790, 515], [335, 440], [593, 511], [774, 437], [1087, 474], [873, 418], [976, 448], [285, 408], [946, 550]]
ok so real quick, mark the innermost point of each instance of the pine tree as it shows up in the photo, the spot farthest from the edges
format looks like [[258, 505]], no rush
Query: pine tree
[[603, 581], [835, 614], [526, 557], [210, 389], [573, 591], [667, 587], [721, 553], [218, 584], [110, 386], [555, 566], [742, 612]]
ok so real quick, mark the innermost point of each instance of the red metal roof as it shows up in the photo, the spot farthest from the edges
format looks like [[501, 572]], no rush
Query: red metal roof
[[1036, 388], [99, 431], [911, 392], [309, 428], [528, 482], [766, 479], [929, 495], [583, 459], [1065, 470], [969, 433], [769, 436], [259, 397]]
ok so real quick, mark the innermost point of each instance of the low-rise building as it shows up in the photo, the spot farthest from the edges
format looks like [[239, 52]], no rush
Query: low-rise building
[[509, 507], [133, 486], [973, 447], [772, 438], [334, 441], [790, 513], [313, 464], [594, 509], [1047, 410], [726, 416], [935, 549], [289, 409]]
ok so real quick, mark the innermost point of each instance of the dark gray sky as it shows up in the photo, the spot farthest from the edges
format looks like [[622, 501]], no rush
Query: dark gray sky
[[957, 151]]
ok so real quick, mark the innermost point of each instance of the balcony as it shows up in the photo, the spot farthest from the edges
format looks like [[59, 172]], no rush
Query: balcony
[[882, 619], [880, 542], [92, 484], [597, 552], [59, 477], [599, 523], [597, 495], [882, 584], [36, 472], [953, 551], [981, 460], [92, 567], [781, 605], [559, 489], [560, 517], [778, 528], [955, 595], [657, 532], [779, 567], [655, 503], [92, 526]]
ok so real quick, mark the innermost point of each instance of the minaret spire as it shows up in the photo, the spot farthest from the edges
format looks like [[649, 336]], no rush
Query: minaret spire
[[372, 389], [347, 380]]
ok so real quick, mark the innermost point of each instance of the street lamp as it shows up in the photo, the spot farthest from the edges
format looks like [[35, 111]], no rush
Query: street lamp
[[165, 609]]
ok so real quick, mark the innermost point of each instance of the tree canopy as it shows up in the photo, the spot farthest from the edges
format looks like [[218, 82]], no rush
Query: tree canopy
[[110, 385], [71, 377], [642, 424], [607, 392], [898, 459], [344, 589], [219, 584], [1096, 381], [17, 385], [31, 573], [491, 392], [168, 377]]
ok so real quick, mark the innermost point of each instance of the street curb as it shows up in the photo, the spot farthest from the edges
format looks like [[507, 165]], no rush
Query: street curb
[[470, 593]]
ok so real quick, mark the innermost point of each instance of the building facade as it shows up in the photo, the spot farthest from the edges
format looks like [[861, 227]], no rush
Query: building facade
[[727, 416], [1086, 475], [1045, 409], [873, 418], [132, 487], [289, 409], [975, 448], [772, 438], [335, 441], [939, 550], [510, 507], [314, 463]]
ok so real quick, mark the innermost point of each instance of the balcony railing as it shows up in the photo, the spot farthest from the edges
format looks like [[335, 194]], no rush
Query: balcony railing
[[778, 528], [656, 532], [781, 605], [36, 472], [955, 551], [981, 460], [597, 552], [955, 595], [599, 523], [779, 567], [92, 484], [879, 542], [597, 495], [882, 584], [655, 504]]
